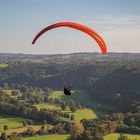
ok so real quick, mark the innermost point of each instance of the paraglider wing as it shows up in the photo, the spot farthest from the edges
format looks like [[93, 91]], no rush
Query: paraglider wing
[[77, 26]]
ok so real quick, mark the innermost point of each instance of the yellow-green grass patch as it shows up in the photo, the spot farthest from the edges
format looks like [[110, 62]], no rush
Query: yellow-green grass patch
[[48, 106], [9, 92], [115, 136], [56, 95], [11, 122], [3, 65], [48, 137], [23, 129], [84, 98], [84, 114], [77, 96]]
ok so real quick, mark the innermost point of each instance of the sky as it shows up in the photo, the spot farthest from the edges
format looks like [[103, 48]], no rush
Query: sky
[[117, 21]]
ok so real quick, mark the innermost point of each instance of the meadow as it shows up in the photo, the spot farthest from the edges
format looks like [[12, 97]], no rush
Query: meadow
[[65, 137], [3, 65], [15, 124], [84, 98], [77, 96], [49, 137], [12, 122], [9, 92], [115, 136], [85, 113], [48, 106]]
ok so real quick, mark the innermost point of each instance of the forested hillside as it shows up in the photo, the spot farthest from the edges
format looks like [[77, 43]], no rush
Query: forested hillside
[[112, 79]]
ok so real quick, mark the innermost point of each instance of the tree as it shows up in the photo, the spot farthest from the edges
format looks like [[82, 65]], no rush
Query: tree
[[68, 127], [77, 131], [29, 122], [15, 92], [42, 130], [98, 135], [63, 106], [72, 118], [30, 131], [66, 115], [14, 136], [5, 85], [24, 89], [122, 137], [5, 127], [86, 135], [73, 108], [24, 123], [44, 122], [4, 136]]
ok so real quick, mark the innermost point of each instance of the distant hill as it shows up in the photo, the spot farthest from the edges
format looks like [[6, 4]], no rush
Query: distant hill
[[111, 56]]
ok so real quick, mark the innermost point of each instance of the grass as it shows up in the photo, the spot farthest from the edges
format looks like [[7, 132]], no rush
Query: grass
[[3, 65], [23, 129], [9, 92], [84, 98], [65, 137], [49, 137], [116, 135], [80, 114], [84, 114], [15, 124], [12, 122], [81, 97], [56, 95], [77, 96], [47, 106]]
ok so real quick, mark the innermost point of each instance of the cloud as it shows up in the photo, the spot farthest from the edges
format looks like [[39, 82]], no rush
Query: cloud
[[107, 22], [124, 20], [121, 33], [123, 40]]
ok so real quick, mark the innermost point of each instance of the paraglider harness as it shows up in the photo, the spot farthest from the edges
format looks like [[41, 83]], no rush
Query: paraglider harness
[[67, 90]]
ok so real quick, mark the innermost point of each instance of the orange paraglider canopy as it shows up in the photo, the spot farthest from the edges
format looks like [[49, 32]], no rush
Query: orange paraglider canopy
[[79, 27]]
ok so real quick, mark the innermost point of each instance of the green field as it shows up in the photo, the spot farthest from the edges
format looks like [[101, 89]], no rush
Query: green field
[[56, 95], [23, 129], [47, 106], [48, 137], [84, 98], [77, 96], [3, 65], [116, 135], [9, 92], [79, 114], [12, 122], [84, 114], [15, 124]]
